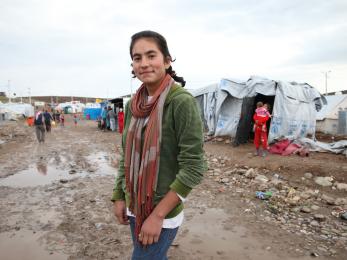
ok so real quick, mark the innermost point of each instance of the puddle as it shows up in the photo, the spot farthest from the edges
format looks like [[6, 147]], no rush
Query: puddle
[[217, 241], [35, 176], [24, 244], [104, 164], [43, 174]]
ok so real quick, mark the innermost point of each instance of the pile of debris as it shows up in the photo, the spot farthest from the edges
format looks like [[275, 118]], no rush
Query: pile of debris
[[313, 213]]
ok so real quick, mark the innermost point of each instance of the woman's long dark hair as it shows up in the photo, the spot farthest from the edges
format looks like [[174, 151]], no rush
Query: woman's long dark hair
[[162, 45]]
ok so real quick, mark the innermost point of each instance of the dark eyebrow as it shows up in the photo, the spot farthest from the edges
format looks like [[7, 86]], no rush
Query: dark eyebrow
[[146, 53]]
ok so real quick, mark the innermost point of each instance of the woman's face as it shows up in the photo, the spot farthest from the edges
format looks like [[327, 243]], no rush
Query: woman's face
[[149, 64]]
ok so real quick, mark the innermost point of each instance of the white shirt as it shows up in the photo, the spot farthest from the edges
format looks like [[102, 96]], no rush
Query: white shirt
[[169, 222]]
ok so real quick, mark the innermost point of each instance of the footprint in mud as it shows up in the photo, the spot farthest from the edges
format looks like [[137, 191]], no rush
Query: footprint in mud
[[196, 241]]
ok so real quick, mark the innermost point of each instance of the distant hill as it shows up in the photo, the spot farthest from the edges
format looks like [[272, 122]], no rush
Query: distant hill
[[56, 99]]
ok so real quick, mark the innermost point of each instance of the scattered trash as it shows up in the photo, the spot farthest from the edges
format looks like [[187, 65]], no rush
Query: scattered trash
[[63, 181], [313, 254], [263, 195], [344, 215]]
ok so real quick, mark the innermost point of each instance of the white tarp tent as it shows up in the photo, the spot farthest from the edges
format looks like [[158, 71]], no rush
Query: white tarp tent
[[12, 111], [327, 118], [294, 107], [73, 106], [207, 98]]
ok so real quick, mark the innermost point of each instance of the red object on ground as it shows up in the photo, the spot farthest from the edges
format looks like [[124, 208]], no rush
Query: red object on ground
[[279, 147], [30, 121], [285, 147], [120, 121]]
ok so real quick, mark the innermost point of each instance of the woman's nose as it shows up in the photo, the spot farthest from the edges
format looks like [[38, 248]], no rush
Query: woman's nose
[[144, 62]]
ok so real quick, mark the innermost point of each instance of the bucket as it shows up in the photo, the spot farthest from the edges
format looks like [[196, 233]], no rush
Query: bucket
[[30, 121]]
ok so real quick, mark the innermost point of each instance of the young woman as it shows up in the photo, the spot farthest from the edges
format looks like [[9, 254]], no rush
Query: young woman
[[162, 156]]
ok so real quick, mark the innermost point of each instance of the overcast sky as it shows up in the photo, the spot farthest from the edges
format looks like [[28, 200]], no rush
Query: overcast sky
[[81, 47]]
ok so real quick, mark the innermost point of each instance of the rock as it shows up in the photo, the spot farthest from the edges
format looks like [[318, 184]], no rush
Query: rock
[[319, 217], [324, 181], [344, 216], [250, 173], [215, 160], [340, 201], [225, 180], [294, 201], [242, 171], [305, 210], [315, 207], [341, 186], [314, 223], [217, 172], [329, 200], [308, 175], [227, 141], [63, 181], [219, 139], [261, 178], [99, 225]]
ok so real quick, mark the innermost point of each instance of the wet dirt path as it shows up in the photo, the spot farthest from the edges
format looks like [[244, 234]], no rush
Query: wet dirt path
[[55, 204]]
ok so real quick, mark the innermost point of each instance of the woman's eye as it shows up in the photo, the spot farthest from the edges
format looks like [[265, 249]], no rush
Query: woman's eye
[[151, 56]]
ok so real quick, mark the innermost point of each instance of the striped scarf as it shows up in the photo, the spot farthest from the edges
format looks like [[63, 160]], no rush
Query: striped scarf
[[142, 163]]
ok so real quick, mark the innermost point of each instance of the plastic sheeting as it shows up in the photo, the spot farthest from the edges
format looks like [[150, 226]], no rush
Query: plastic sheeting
[[207, 98], [14, 110], [294, 111], [316, 146]]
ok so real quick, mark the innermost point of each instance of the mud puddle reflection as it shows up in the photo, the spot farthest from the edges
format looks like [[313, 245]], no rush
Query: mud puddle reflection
[[219, 239], [42, 174], [24, 244]]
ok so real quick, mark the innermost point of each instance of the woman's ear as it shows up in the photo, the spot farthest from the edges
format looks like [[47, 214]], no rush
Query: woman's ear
[[167, 63]]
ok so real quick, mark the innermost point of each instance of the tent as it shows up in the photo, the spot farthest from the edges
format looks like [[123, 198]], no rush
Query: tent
[[12, 111], [233, 104], [327, 118], [206, 98]]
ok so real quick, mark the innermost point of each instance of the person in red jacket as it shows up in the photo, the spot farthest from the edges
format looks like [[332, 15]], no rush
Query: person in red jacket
[[120, 120], [260, 133]]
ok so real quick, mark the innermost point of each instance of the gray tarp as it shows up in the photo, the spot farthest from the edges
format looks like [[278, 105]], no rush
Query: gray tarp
[[293, 112], [316, 146]]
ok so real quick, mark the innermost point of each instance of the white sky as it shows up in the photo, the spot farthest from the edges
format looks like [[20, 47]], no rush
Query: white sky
[[81, 47]]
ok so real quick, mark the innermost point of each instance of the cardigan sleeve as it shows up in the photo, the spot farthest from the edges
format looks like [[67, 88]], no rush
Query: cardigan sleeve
[[189, 135]]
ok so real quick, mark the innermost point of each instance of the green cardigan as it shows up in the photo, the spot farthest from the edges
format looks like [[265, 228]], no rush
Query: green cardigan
[[181, 156]]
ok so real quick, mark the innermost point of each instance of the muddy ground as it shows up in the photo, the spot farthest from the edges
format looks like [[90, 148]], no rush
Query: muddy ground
[[55, 201]]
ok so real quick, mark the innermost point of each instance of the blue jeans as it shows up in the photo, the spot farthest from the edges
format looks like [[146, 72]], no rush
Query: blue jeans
[[156, 251]]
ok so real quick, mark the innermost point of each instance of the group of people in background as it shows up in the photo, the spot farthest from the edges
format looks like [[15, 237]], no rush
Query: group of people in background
[[112, 120], [260, 117]]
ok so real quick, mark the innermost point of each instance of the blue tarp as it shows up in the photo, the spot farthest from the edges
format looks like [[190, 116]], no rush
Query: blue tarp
[[94, 113]]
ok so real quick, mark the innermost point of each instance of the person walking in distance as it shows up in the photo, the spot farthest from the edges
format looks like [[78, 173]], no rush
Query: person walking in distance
[[39, 126], [120, 120], [48, 119], [162, 157], [62, 119], [112, 115]]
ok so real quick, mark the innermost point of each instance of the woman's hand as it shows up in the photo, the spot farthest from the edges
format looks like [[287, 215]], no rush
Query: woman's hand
[[120, 212], [151, 229]]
